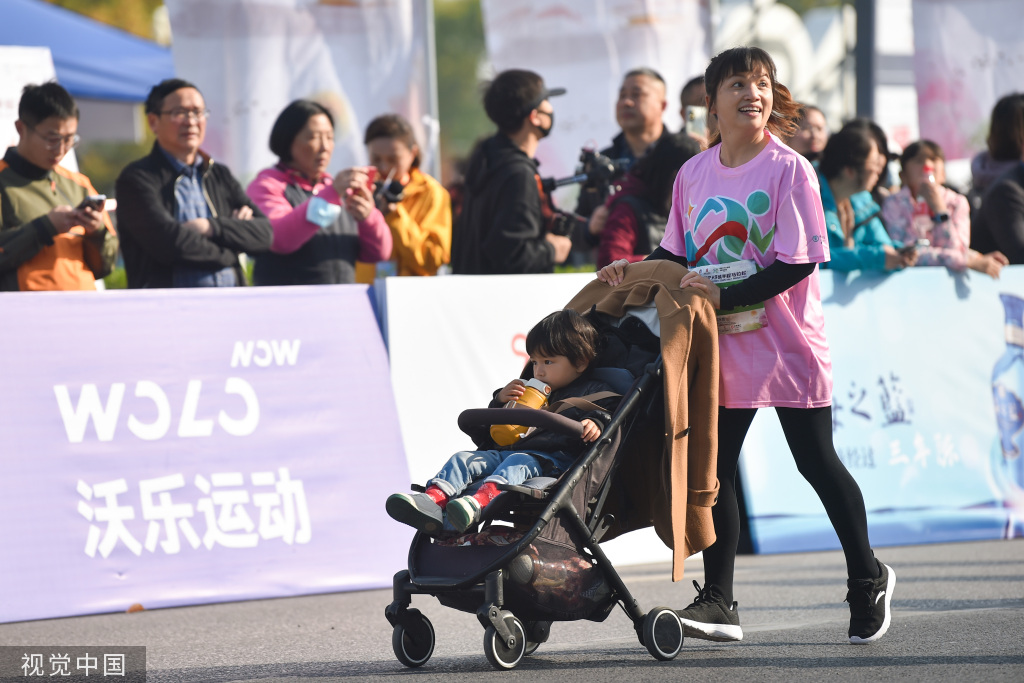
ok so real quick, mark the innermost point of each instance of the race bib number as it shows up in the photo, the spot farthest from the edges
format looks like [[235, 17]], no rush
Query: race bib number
[[741, 318]]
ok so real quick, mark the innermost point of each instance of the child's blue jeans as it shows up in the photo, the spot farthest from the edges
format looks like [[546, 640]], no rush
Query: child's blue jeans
[[503, 467]]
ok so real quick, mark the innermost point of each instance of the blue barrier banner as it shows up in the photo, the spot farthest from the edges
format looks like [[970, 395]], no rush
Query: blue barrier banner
[[178, 447], [927, 413]]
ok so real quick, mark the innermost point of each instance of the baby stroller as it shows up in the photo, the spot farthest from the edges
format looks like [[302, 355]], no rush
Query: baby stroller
[[537, 557]]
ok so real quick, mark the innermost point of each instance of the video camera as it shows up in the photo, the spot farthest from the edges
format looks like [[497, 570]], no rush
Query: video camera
[[392, 191], [596, 170], [601, 170]]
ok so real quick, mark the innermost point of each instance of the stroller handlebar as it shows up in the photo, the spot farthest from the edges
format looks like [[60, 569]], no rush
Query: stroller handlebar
[[528, 417]]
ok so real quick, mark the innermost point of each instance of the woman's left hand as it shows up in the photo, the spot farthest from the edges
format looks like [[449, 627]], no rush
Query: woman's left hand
[[990, 264], [695, 279]]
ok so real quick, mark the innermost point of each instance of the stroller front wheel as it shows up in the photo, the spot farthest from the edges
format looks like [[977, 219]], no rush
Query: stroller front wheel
[[413, 639], [498, 652], [663, 633]]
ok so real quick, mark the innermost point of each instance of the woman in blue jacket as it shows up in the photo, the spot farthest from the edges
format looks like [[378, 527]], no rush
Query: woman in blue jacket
[[848, 169]]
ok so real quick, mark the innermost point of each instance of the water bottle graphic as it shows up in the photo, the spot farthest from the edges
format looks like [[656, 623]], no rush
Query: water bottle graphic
[[1007, 390]]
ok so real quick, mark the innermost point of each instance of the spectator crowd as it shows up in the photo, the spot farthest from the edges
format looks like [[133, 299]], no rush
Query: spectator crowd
[[184, 220]]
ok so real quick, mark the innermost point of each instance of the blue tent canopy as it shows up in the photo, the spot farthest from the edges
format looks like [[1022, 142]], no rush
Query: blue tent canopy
[[92, 59]]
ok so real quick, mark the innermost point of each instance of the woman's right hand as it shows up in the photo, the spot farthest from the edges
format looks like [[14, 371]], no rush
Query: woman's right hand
[[614, 272], [512, 391]]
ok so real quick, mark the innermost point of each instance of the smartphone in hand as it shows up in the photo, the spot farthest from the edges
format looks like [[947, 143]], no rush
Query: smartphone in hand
[[914, 246], [93, 201], [371, 178], [695, 121]]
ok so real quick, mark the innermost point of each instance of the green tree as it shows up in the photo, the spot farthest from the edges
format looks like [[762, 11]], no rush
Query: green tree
[[134, 16]]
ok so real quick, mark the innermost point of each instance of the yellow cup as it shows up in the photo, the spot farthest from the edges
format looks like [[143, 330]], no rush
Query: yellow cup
[[535, 395]]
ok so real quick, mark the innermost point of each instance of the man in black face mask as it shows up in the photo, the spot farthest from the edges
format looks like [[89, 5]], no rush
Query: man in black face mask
[[502, 227]]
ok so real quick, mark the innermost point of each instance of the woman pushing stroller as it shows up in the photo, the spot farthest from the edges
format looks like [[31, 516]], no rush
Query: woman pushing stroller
[[561, 348], [749, 208]]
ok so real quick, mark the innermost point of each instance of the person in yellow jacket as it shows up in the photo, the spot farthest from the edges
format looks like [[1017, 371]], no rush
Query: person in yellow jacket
[[416, 207]]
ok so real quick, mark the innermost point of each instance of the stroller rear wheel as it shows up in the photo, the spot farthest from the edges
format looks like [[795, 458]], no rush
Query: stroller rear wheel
[[536, 633], [502, 655], [663, 633], [413, 639]]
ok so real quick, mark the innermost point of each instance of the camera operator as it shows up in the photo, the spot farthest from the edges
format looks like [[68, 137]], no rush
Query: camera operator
[[504, 224], [638, 112]]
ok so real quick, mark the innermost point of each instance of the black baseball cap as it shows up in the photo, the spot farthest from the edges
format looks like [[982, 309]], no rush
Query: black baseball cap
[[548, 92]]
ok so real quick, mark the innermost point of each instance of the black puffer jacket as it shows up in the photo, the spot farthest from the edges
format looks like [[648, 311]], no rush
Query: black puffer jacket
[[501, 227]]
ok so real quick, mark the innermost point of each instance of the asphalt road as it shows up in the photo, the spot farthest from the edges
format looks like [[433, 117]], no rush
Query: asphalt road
[[958, 616]]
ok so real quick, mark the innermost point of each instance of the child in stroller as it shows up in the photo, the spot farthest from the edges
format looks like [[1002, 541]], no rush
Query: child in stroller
[[561, 348]]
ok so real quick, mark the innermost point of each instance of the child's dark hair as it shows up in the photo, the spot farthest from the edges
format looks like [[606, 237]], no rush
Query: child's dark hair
[[931, 149], [564, 333]]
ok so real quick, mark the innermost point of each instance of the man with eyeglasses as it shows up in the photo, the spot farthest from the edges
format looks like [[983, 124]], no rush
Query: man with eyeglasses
[[49, 240], [184, 219], [503, 225]]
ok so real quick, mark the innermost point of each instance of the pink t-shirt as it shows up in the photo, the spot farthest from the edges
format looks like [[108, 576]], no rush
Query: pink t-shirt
[[769, 208]]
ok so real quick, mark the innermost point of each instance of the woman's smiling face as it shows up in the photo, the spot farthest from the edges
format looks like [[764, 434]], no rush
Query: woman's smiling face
[[744, 101]]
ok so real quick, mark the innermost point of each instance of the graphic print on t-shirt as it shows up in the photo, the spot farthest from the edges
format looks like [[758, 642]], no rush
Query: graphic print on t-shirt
[[726, 230]]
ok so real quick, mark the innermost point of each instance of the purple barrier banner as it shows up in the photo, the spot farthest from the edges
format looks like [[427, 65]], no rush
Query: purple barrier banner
[[179, 447]]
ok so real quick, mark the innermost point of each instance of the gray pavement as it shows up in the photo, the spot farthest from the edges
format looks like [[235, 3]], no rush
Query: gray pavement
[[958, 616]]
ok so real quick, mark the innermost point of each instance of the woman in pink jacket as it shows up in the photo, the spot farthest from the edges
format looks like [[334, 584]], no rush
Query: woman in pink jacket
[[322, 225]]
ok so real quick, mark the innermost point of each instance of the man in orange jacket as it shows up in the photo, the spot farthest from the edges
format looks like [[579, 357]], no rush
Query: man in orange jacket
[[50, 238]]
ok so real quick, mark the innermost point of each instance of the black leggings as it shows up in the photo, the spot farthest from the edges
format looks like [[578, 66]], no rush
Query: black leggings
[[809, 435]]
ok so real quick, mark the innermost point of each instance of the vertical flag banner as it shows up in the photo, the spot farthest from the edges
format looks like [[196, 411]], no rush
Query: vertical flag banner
[[967, 55], [587, 47], [250, 58]]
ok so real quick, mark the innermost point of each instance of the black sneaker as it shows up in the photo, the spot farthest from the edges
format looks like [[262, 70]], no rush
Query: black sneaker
[[418, 510], [869, 605], [709, 617]]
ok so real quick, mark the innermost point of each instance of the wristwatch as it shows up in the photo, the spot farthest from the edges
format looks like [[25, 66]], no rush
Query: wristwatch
[[941, 217]]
